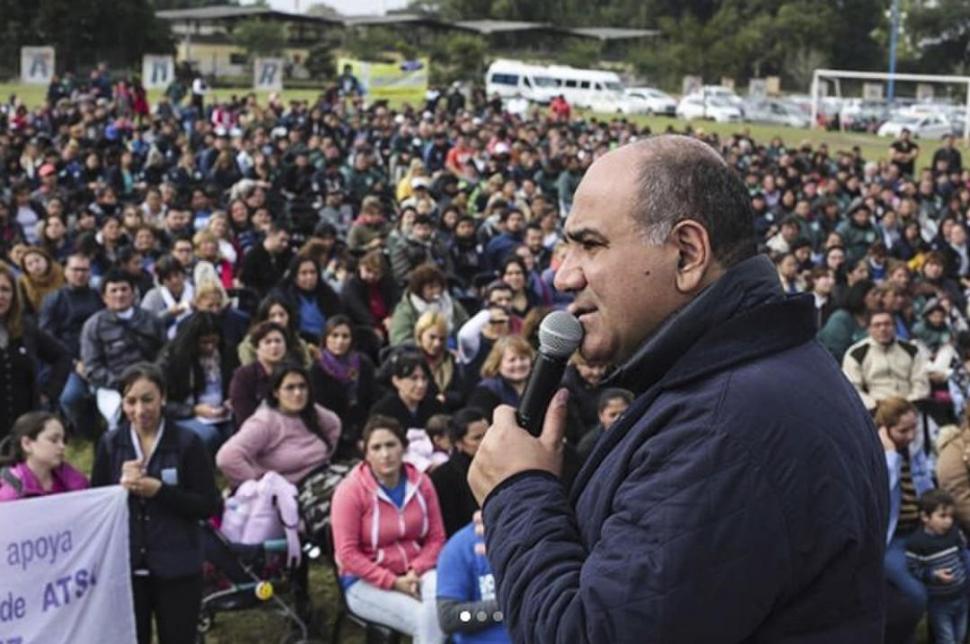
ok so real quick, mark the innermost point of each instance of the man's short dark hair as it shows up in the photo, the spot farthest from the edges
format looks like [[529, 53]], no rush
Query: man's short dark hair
[[114, 276], [683, 178], [613, 393]]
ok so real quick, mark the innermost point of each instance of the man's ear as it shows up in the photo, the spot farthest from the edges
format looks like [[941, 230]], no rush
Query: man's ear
[[695, 258]]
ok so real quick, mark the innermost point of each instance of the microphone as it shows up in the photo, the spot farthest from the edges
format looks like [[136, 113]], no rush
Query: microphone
[[560, 334]]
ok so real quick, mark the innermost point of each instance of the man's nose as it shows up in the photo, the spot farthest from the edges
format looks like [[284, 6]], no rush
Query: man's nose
[[569, 278]]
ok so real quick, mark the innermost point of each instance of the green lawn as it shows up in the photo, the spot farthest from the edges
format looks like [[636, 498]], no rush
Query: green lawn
[[873, 147]]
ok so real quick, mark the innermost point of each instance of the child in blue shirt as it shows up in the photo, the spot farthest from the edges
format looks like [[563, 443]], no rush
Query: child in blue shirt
[[468, 609], [936, 554]]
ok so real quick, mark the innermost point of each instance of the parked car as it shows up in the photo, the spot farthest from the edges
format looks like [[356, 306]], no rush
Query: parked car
[[696, 106], [649, 100], [775, 111], [721, 93], [922, 126]]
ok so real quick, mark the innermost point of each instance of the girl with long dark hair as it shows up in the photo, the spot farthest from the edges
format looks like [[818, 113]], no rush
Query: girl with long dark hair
[[289, 434], [198, 365]]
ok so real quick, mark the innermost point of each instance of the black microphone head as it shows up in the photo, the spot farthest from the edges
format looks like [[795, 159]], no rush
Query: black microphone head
[[560, 334]]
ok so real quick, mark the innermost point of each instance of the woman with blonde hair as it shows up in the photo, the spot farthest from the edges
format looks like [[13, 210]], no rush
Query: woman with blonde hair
[[218, 225], [404, 189], [504, 374], [431, 338], [209, 254]]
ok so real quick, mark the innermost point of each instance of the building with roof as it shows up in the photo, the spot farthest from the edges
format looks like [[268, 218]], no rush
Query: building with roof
[[204, 35]]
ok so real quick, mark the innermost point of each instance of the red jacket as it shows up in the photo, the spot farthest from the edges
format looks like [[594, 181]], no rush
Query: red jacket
[[377, 541]]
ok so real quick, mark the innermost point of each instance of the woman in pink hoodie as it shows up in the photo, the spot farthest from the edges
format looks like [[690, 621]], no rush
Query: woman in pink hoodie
[[36, 465], [388, 531]]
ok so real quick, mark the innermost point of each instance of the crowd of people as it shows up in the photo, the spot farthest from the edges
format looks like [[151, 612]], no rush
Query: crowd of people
[[242, 287]]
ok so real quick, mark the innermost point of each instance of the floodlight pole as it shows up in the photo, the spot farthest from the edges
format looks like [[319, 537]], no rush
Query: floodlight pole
[[893, 38]]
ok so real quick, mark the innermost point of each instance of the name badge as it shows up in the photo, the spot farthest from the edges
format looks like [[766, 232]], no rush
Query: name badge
[[170, 476]]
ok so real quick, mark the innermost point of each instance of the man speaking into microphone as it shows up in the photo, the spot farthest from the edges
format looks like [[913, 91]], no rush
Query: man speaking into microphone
[[742, 497]]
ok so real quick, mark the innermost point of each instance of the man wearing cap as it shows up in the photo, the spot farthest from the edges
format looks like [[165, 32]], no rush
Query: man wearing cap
[[858, 232], [48, 189], [436, 152], [419, 247]]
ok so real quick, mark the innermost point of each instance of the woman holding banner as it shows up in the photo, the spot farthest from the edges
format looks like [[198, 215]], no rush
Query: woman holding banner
[[168, 475]]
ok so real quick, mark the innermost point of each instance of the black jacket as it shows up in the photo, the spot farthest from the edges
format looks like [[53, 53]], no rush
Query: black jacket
[[454, 494], [65, 311], [166, 537], [261, 271], [331, 394], [392, 405], [20, 363], [356, 297], [741, 498]]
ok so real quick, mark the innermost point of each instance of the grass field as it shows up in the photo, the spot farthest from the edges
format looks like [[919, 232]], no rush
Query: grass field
[[873, 147]]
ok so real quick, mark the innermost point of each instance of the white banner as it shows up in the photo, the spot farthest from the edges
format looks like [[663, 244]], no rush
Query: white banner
[[157, 71], [268, 74], [36, 65], [64, 570]]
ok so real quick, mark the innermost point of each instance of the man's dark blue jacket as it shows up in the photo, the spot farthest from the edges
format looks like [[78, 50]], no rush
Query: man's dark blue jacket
[[742, 497]]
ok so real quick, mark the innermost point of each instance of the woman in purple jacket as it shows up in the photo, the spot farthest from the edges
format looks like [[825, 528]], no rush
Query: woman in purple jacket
[[35, 465]]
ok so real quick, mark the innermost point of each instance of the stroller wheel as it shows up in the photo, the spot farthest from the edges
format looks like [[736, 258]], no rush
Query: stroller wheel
[[205, 623]]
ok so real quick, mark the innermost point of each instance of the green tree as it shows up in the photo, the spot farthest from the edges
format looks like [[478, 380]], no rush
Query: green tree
[[320, 62], [457, 57], [941, 35], [259, 37], [580, 53], [377, 44], [83, 32]]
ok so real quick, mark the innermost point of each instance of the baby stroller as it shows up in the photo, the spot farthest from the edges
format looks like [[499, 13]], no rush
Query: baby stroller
[[244, 577]]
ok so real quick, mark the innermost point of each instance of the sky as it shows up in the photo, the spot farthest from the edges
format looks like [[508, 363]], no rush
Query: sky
[[347, 7]]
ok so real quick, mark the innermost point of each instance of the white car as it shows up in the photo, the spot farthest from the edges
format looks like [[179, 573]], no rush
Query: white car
[[921, 126], [696, 107], [649, 100], [720, 93], [775, 111]]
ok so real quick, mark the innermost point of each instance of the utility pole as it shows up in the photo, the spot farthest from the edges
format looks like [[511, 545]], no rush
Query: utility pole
[[893, 40]]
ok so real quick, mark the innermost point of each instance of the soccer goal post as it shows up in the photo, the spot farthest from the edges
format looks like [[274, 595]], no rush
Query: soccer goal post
[[835, 75]]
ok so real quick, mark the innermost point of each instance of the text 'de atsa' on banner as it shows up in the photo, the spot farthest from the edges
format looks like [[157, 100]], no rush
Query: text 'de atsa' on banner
[[64, 570]]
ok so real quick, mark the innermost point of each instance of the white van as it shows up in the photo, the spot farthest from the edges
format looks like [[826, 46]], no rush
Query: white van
[[591, 88], [586, 88], [511, 78]]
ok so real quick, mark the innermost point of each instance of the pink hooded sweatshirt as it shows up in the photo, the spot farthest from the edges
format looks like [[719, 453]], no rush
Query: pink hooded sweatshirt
[[375, 540], [66, 479]]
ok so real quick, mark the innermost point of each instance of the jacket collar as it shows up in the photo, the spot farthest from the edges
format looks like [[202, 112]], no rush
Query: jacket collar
[[717, 328], [741, 317]]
